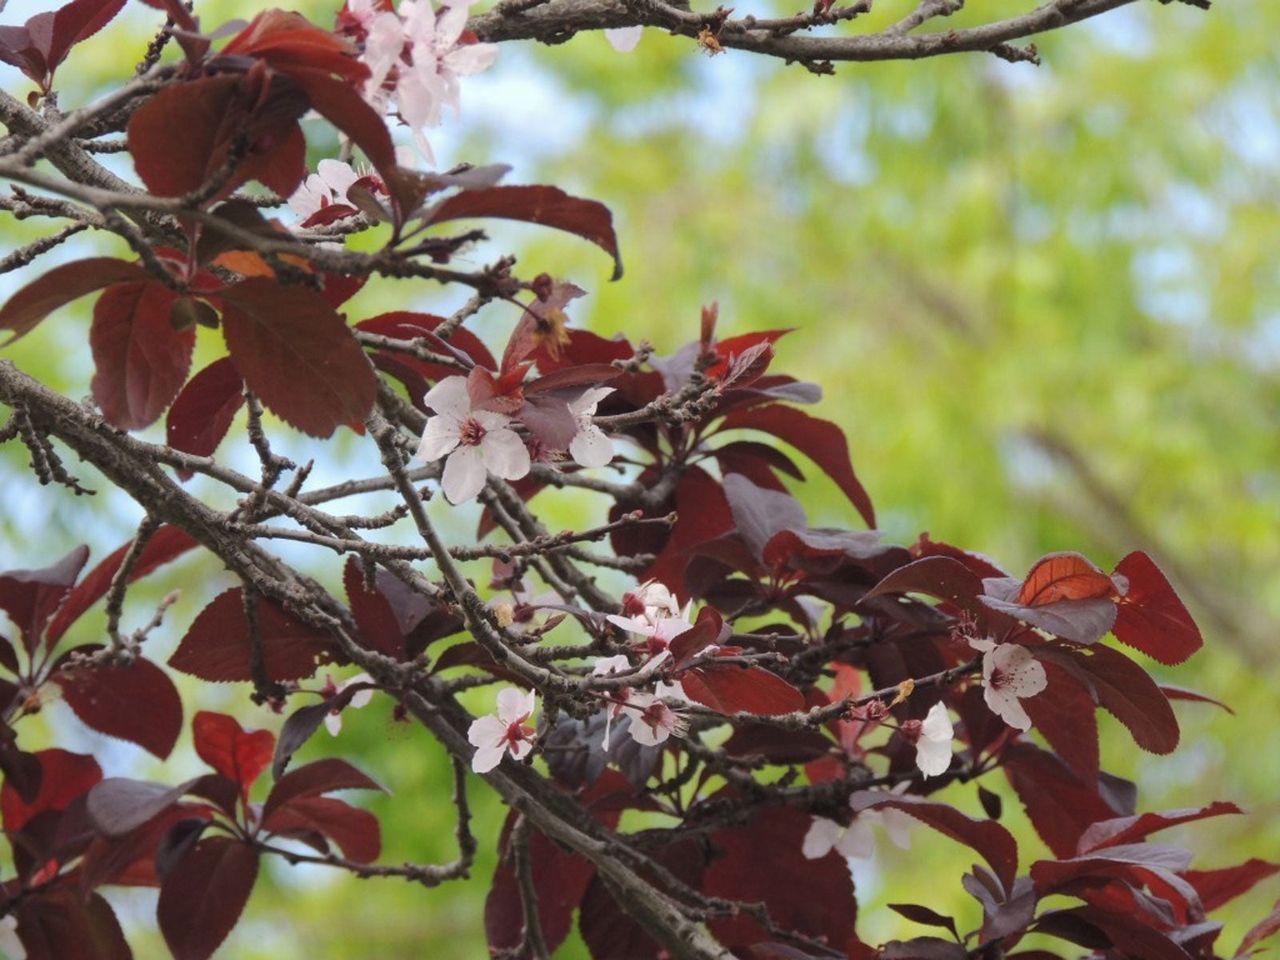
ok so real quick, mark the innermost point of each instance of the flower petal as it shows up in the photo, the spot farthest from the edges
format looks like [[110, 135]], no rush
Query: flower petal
[[464, 474], [516, 705], [505, 454], [438, 439], [450, 396], [623, 39], [822, 837], [591, 447]]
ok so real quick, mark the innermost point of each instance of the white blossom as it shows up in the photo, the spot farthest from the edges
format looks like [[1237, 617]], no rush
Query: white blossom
[[476, 442], [932, 739], [10, 945], [503, 731], [359, 700], [623, 39], [590, 446], [652, 721], [1010, 674], [857, 840], [327, 186]]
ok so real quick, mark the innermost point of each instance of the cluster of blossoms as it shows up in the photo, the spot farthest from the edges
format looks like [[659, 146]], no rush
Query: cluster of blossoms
[[415, 57], [477, 441]]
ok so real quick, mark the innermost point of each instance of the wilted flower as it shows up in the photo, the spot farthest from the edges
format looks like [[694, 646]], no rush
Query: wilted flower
[[504, 731], [1011, 674], [476, 441]]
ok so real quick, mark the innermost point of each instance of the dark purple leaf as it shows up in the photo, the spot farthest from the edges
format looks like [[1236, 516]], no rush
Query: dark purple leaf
[[204, 894]]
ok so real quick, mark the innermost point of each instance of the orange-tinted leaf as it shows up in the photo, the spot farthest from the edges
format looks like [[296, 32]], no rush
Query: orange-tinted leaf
[[239, 755], [296, 353], [60, 286], [1063, 576]]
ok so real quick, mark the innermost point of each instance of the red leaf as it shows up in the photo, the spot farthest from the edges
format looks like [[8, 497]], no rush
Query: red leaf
[[1063, 576], [1125, 830], [820, 440], [218, 647], [1150, 617], [993, 842], [29, 597], [1181, 693], [937, 576], [62, 923], [1126, 691], [141, 360], [404, 325], [1059, 804], [204, 894], [354, 830], [287, 40], [560, 877], [214, 114], [138, 702], [201, 415], [239, 755], [379, 629], [1217, 887], [702, 515], [731, 688], [978, 564], [1064, 714], [60, 286], [548, 206], [166, 544], [296, 353], [64, 778], [323, 776], [762, 862]]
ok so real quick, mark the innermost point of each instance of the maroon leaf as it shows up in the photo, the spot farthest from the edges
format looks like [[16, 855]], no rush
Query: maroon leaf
[[64, 778], [297, 730], [60, 286], [323, 776], [61, 923], [1127, 692], [707, 629], [239, 755], [1267, 927], [215, 114], [1150, 617], [135, 702], [1217, 887], [762, 862], [129, 859], [1126, 830], [463, 345], [296, 353], [1064, 713], [166, 544], [38, 47], [702, 515], [1060, 805], [1182, 693], [288, 40], [560, 877], [202, 413], [993, 842], [922, 914], [937, 576], [731, 688], [355, 831], [118, 805], [379, 628], [1084, 621], [548, 206], [218, 645], [29, 597], [204, 894], [820, 440]]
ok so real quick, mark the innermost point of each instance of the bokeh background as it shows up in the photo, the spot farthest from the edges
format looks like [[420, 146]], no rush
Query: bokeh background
[[1043, 302]]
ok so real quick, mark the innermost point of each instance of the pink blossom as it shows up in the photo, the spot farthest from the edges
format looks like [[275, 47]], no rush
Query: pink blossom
[[590, 446], [652, 601], [504, 731], [359, 700], [658, 633], [652, 721], [415, 57], [857, 840], [476, 442], [1011, 674], [932, 737], [327, 186], [623, 39]]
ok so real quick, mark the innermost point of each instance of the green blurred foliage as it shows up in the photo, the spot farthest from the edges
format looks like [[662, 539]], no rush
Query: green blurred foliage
[[1044, 304]]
